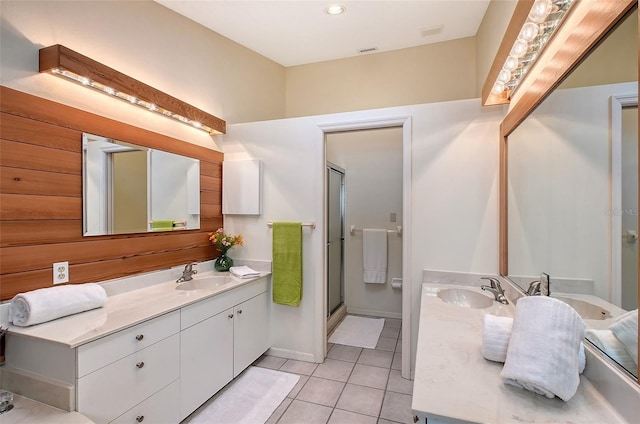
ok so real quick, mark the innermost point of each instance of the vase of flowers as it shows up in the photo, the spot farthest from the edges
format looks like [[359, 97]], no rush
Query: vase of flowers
[[224, 242]]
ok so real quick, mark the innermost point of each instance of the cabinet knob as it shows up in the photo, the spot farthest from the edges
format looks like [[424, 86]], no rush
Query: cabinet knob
[[239, 311], [415, 419], [140, 418], [140, 364], [230, 315], [139, 337]]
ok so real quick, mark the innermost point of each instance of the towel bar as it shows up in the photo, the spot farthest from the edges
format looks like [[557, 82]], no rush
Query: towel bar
[[398, 230], [304, 224]]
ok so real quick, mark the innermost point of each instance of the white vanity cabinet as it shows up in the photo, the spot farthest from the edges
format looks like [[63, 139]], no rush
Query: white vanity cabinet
[[220, 337], [152, 355]]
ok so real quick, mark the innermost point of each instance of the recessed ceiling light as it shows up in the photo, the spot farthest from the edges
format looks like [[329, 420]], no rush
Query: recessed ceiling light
[[335, 10]]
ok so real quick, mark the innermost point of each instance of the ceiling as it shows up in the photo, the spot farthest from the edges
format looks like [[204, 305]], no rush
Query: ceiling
[[297, 32]]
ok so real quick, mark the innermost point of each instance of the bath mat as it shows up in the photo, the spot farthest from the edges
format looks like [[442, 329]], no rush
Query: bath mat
[[358, 331], [250, 398]]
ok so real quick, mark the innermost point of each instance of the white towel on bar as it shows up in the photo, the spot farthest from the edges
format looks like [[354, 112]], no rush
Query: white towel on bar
[[543, 349], [244, 272], [496, 332], [42, 305], [374, 255]]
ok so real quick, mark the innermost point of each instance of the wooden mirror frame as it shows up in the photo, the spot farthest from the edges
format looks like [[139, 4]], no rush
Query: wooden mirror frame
[[587, 24]]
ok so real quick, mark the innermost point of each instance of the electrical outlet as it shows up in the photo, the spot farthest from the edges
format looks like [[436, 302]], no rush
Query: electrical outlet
[[60, 272]]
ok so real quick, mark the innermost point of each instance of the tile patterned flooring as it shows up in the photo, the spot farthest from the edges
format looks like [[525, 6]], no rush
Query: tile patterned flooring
[[354, 385]]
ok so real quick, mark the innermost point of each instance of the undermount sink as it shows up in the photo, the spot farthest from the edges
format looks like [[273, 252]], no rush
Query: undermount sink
[[206, 283], [585, 309], [465, 298]]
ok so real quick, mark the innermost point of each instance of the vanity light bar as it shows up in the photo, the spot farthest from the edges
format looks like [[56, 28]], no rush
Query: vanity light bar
[[544, 18], [65, 63]]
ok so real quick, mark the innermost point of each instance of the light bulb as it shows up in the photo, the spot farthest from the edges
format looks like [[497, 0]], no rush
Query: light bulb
[[540, 10], [504, 76], [335, 10], [498, 88], [519, 48], [511, 63], [529, 31]]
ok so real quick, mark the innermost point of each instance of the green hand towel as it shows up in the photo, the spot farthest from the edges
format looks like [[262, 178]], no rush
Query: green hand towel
[[162, 225], [287, 263]]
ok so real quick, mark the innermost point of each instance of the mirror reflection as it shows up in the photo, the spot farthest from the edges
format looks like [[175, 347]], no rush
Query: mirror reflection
[[573, 195], [132, 189]]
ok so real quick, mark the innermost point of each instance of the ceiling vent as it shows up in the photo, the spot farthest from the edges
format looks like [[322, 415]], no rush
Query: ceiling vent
[[427, 32], [369, 50]]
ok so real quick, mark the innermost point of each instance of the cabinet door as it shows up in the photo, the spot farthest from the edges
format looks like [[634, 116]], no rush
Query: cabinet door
[[206, 360], [251, 331]]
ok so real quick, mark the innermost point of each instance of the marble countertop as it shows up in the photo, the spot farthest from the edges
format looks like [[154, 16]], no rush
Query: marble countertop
[[27, 411], [125, 309], [453, 381]]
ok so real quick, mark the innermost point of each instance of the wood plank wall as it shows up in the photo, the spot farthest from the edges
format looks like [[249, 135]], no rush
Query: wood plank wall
[[41, 199]]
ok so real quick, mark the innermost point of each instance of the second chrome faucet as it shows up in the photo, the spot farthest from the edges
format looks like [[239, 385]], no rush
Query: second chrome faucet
[[496, 289]]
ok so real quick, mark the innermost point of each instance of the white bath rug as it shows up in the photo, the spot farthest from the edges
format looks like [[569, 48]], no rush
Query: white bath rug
[[251, 398], [358, 331]]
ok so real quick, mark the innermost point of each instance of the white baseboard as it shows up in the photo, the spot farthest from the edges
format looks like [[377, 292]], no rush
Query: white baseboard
[[374, 313], [291, 354]]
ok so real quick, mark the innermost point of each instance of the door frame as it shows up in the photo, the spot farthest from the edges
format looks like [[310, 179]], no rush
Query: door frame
[[321, 293], [617, 103]]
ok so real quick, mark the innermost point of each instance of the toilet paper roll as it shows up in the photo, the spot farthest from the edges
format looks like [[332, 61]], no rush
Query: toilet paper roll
[[396, 283]]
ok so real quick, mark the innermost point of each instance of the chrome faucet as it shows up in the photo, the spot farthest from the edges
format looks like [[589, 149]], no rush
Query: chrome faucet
[[540, 287], [187, 273], [534, 288], [496, 289]]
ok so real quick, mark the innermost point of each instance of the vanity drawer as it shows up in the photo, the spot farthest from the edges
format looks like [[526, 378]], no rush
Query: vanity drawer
[[162, 407], [104, 351], [110, 391]]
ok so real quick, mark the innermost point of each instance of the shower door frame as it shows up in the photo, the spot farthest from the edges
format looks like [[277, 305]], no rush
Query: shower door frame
[[330, 167]]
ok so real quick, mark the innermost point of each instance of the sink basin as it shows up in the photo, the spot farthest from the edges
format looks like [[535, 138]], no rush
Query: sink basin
[[465, 298], [585, 309], [206, 283]]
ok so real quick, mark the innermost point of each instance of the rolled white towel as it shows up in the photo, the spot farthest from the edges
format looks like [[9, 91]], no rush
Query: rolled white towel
[[543, 349], [496, 332], [625, 328], [244, 272], [42, 305]]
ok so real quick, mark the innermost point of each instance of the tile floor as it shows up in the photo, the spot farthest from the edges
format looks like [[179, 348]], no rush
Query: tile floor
[[353, 385]]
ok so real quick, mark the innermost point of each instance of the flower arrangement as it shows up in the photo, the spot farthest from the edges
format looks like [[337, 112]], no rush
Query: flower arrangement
[[225, 241]]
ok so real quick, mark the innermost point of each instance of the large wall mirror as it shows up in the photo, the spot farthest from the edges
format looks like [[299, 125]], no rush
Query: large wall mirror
[[134, 189], [572, 193]]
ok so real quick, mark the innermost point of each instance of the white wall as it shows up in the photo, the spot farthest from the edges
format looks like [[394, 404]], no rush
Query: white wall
[[559, 188], [454, 159], [148, 42], [372, 160]]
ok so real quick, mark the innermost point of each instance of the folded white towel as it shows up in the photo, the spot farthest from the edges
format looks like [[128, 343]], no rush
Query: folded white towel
[[495, 340], [374, 255], [244, 272], [543, 349], [625, 328], [611, 346], [47, 304]]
